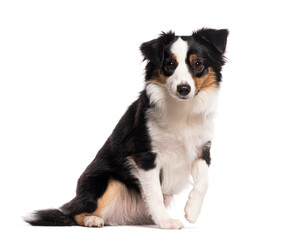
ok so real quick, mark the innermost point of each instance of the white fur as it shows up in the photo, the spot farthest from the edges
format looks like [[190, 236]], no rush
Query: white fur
[[178, 132], [196, 196], [127, 208], [181, 74], [93, 221], [32, 217], [153, 197]]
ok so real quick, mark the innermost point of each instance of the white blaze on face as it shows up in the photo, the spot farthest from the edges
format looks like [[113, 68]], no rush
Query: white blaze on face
[[181, 74]]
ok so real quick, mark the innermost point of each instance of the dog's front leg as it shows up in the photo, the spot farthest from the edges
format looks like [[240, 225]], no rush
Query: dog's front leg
[[196, 196], [152, 193]]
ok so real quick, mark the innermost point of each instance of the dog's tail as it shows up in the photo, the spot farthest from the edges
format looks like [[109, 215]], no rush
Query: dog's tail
[[50, 217]]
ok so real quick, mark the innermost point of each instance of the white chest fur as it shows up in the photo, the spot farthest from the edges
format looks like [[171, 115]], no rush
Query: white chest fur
[[178, 131], [177, 147]]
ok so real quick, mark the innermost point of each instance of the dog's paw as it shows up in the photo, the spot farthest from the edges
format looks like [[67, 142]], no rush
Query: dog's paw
[[93, 221], [191, 213], [171, 224]]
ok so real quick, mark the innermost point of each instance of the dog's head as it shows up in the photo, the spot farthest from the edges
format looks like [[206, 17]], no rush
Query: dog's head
[[186, 65]]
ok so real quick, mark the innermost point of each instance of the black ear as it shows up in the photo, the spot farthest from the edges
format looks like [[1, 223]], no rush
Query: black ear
[[217, 38], [154, 49]]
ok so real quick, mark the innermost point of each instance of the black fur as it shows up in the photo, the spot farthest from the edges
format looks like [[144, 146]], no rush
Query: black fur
[[205, 43], [51, 217], [130, 139], [206, 153], [217, 38], [208, 44], [154, 49]]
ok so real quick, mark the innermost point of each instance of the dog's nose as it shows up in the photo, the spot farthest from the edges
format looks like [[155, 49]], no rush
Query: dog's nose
[[183, 89]]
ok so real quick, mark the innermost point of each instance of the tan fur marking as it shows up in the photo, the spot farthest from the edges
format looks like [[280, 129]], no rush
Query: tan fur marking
[[158, 77], [205, 82], [174, 57], [111, 194], [192, 58], [80, 218]]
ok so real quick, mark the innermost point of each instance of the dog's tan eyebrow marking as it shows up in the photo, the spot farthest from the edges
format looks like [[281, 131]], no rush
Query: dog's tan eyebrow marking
[[192, 58], [174, 57]]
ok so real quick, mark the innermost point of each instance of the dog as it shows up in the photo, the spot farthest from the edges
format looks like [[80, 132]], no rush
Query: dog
[[161, 142]]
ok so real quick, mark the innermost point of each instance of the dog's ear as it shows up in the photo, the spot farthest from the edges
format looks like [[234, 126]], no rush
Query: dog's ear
[[153, 50], [217, 38]]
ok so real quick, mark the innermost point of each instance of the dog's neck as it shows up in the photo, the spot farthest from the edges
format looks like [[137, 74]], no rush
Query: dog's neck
[[169, 110]]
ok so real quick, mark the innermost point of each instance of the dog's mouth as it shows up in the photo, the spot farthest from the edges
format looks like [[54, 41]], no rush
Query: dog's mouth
[[182, 97]]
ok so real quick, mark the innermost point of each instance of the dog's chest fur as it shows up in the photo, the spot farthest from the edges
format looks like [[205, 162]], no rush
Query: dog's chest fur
[[177, 136]]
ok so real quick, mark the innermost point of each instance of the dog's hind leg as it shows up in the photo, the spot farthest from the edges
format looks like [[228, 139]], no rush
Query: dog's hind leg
[[90, 188], [88, 220], [117, 206], [93, 218]]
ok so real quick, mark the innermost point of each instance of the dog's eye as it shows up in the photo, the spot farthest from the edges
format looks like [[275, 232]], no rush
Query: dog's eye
[[198, 66], [170, 64]]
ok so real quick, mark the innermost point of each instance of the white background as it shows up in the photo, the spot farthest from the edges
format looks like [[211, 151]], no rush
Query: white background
[[69, 70]]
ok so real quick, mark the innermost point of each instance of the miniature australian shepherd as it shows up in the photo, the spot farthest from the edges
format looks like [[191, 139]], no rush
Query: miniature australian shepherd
[[162, 141]]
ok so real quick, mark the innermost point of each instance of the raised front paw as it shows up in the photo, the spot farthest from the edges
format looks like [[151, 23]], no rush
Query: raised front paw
[[171, 224], [191, 212]]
